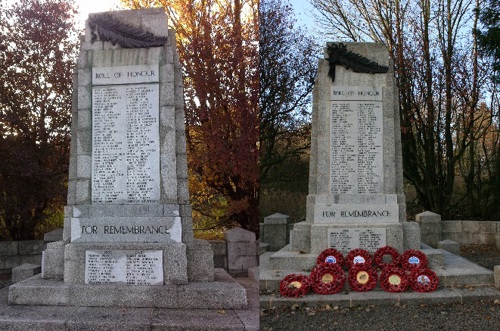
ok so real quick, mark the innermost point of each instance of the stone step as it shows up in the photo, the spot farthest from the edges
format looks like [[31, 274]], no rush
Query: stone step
[[223, 293], [55, 318], [25, 271], [285, 259], [434, 257], [444, 295], [453, 270]]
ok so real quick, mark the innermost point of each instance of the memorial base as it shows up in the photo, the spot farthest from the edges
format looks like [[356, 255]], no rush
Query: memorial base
[[170, 263], [223, 293], [315, 238], [345, 238], [349, 221]]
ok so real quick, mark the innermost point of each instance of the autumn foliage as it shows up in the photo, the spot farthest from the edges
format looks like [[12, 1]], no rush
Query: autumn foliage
[[37, 52], [217, 43]]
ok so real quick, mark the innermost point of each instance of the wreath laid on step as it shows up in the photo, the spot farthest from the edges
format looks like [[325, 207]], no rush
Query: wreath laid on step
[[327, 277], [423, 280], [295, 286], [394, 280], [379, 255], [362, 277], [413, 259], [358, 256], [330, 255]]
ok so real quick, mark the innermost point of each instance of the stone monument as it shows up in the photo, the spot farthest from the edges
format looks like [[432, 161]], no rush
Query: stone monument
[[128, 238], [356, 197]]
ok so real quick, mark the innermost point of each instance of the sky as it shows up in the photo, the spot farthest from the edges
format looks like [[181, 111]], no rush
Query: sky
[[303, 10], [304, 16], [303, 13], [93, 6], [88, 6]]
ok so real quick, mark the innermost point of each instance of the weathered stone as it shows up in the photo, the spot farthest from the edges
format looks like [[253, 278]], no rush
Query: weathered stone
[[54, 235], [448, 227], [53, 261], [275, 231], [450, 246], [30, 247], [300, 237], [411, 235], [8, 248], [430, 227], [128, 238], [200, 261], [470, 226], [25, 271], [356, 197], [239, 234]]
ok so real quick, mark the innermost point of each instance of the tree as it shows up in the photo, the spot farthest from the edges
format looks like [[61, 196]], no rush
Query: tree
[[489, 46], [37, 53], [489, 38], [288, 66], [218, 49], [440, 82]]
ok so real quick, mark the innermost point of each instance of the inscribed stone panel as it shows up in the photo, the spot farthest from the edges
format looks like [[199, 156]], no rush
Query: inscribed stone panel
[[356, 140], [126, 146], [345, 240], [128, 267]]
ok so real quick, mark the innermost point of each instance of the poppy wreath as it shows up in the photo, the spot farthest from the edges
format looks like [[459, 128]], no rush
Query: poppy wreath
[[378, 257], [295, 286], [358, 256], [362, 278], [423, 280], [330, 255], [327, 278], [413, 259], [394, 280]]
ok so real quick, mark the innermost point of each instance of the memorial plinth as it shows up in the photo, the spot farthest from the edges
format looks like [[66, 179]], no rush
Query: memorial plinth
[[356, 197], [128, 226]]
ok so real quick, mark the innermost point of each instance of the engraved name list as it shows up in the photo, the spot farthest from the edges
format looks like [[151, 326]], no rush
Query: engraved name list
[[125, 135], [356, 140]]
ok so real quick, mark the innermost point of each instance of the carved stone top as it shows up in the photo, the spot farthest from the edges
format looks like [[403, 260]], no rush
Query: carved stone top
[[339, 55], [107, 28]]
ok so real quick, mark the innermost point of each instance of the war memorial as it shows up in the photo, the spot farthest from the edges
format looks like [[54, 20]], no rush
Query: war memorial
[[128, 258], [356, 205]]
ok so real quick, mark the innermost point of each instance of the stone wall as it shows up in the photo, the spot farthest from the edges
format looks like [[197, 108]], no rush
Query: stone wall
[[472, 232], [237, 253], [433, 231], [15, 253]]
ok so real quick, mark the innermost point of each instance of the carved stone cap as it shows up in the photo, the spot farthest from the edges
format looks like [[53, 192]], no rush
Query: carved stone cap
[[338, 54], [130, 28]]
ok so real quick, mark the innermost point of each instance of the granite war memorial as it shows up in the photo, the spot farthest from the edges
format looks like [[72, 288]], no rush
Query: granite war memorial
[[128, 238], [356, 204], [356, 197]]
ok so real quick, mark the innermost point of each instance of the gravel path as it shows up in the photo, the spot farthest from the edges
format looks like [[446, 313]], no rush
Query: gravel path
[[481, 315]]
